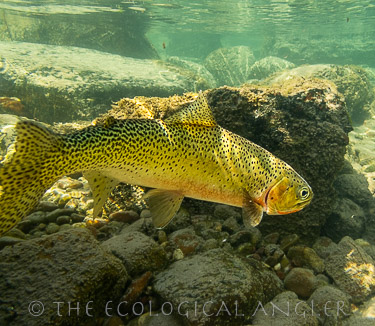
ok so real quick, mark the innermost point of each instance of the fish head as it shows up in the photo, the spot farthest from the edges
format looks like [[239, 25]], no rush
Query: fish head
[[289, 194]]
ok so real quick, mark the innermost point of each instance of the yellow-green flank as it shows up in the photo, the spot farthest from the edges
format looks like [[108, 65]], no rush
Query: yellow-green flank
[[187, 155]]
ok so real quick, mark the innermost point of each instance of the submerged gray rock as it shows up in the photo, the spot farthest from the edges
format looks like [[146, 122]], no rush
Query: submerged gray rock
[[285, 310], [352, 270], [62, 83], [351, 81], [138, 252], [230, 66], [225, 288], [64, 267], [268, 66], [330, 304]]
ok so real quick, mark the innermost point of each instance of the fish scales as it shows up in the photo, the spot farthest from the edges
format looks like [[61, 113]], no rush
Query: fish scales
[[188, 155]]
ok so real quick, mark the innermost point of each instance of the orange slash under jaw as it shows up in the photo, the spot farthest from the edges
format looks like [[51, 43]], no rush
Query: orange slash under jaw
[[288, 212]]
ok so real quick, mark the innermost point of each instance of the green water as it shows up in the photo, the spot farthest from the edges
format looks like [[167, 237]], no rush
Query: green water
[[340, 31]]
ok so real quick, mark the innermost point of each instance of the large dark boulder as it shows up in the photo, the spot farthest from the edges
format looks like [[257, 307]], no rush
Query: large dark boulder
[[303, 122], [67, 267], [216, 288]]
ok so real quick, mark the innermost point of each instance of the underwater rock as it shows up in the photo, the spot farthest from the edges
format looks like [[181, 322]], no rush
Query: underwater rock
[[230, 66], [324, 246], [347, 218], [302, 256], [52, 216], [64, 267], [231, 225], [136, 287], [351, 81], [288, 241], [353, 213], [301, 281], [272, 238], [199, 74], [364, 316], [64, 219], [343, 50], [285, 310], [224, 212], [331, 305], [124, 216], [273, 254], [7, 133], [267, 66], [8, 241], [47, 206], [78, 82], [52, 228], [218, 282], [138, 252], [157, 318], [251, 235], [355, 187], [186, 240], [302, 121], [352, 270]]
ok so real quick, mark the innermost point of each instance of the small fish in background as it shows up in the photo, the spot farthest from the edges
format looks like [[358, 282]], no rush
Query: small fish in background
[[11, 105], [163, 45], [186, 155], [347, 19]]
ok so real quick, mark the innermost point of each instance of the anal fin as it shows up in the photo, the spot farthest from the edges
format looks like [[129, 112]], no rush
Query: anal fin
[[163, 205], [252, 212], [101, 187]]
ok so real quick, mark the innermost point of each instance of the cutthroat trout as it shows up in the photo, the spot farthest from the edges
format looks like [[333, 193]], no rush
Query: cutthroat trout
[[186, 155]]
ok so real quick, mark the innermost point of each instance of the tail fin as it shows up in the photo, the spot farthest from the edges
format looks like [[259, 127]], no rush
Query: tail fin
[[30, 171]]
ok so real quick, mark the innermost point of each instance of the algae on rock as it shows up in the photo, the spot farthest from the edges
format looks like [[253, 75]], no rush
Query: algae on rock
[[64, 267], [230, 66]]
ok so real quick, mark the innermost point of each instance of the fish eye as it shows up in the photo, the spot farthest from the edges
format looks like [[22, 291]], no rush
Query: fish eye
[[304, 193]]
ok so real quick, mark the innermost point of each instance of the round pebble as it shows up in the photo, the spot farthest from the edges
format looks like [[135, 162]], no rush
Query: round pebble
[[47, 206], [16, 233], [231, 225], [41, 227], [211, 244], [64, 199], [52, 228], [145, 213], [162, 237], [64, 219], [124, 216], [75, 184], [178, 254], [301, 281], [37, 217], [272, 238], [65, 227], [288, 241], [76, 218]]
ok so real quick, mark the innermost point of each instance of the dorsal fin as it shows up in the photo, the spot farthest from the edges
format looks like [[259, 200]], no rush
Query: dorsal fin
[[197, 113]]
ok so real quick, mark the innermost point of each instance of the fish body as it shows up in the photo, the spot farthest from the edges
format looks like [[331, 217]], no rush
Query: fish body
[[187, 155]]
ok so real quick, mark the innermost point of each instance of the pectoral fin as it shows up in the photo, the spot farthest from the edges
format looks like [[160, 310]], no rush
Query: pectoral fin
[[163, 204], [252, 212], [101, 187]]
